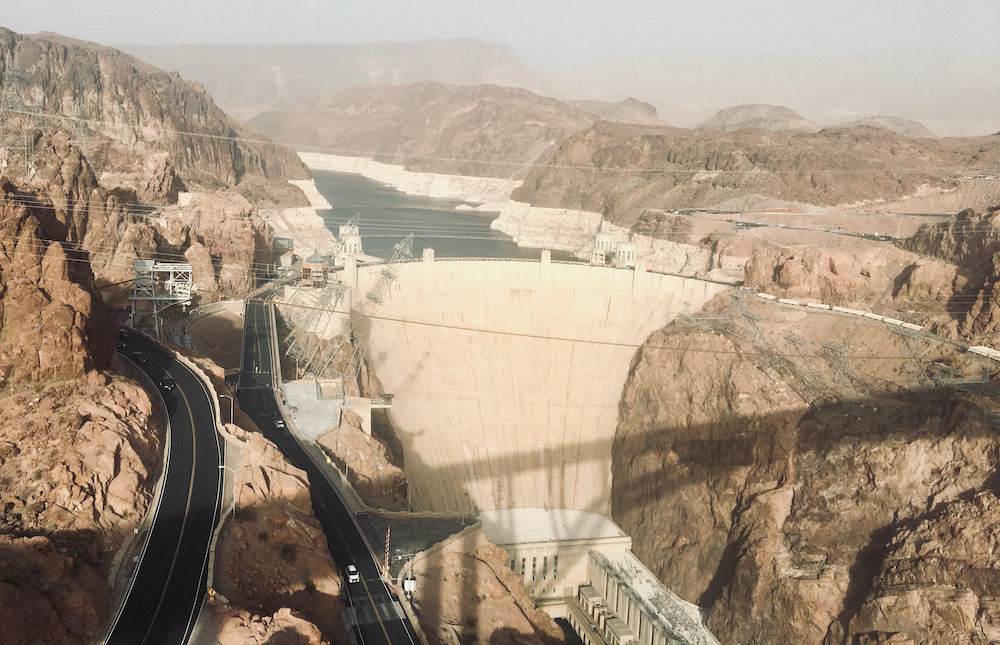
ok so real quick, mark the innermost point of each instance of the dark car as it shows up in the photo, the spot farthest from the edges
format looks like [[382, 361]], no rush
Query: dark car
[[122, 334], [167, 383], [139, 357]]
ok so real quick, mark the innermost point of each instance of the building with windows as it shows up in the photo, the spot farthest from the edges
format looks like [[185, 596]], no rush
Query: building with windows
[[315, 270], [549, 548]]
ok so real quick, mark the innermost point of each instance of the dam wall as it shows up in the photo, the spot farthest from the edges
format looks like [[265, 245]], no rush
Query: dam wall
[[507, 374]]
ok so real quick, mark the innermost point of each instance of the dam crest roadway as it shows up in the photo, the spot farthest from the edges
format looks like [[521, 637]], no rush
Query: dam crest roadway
[[506, 374]]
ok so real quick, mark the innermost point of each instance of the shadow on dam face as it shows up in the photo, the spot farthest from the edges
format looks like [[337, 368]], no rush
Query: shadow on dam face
[[513, 367]]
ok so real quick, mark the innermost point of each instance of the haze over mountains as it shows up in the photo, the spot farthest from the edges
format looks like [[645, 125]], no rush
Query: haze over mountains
[[953, 93], [246, 79]]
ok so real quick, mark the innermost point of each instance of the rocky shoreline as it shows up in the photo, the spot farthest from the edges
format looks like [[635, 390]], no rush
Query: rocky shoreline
[[558, 229]]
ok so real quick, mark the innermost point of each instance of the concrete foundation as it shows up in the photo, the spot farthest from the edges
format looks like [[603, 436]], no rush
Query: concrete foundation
[[507, 374]]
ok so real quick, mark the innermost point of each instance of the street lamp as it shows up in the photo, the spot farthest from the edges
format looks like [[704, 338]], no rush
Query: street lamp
[[226, 396]]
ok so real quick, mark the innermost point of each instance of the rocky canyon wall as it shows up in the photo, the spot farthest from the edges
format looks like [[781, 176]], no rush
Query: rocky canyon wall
[[80, 446], [778, 467]]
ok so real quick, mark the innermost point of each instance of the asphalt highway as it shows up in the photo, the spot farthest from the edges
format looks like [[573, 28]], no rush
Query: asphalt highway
[[168, 588], [374, 612]]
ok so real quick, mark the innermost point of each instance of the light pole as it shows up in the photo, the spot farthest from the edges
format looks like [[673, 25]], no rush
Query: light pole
[[226, 396]]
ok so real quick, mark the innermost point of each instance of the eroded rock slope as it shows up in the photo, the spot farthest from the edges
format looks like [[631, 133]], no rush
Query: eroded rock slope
[[811, 477]]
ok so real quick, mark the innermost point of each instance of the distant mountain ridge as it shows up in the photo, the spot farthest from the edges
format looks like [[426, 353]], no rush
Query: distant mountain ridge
[[487, 130], [629, 110], [246, 80], [773, 118], [905, 127]]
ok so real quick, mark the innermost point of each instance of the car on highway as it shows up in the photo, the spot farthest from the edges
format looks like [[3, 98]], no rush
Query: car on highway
[[167, 383], [139, 357], [352, 574], [279, 424]]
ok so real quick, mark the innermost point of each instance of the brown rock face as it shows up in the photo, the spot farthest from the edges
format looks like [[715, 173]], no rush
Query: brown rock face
[[623, 171], [368, 464], [273, 553], [466, 594], [870, 276], [137, 111], [483, 131], [781, 471], [281, 628], [53, 327], [77, 466], [971, 242], [940, 579]]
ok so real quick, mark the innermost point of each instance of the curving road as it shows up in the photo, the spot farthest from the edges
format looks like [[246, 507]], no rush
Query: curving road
[[374, 613], [167, 591]]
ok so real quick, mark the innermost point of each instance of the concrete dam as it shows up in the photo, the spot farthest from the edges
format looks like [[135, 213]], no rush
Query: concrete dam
[[507, 374]]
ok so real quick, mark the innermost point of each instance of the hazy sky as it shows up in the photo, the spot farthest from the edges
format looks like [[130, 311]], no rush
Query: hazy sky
[[542, 32]]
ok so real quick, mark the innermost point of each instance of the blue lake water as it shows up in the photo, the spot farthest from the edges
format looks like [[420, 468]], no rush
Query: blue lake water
[[387, 216]]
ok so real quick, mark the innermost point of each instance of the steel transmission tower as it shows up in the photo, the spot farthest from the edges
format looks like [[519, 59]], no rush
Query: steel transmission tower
[[158, 285], [19, 122]]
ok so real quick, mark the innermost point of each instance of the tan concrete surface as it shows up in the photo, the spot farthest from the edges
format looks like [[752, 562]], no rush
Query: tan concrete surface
[[507, 374]]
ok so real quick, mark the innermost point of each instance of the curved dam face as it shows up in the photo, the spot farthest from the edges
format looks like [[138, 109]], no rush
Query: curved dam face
[[506, 375]]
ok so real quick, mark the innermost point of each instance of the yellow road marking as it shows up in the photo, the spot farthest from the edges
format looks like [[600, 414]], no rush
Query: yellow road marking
[[259, 358], [187, 507], [330, 514]]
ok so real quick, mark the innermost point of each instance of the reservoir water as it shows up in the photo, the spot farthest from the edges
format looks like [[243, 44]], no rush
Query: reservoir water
[[387, 216]]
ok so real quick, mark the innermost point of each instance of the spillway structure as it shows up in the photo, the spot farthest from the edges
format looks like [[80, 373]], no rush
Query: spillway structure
[[507, 374]]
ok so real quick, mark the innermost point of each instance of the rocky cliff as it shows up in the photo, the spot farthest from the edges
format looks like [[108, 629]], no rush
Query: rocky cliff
[[804, 478], [469, 596], [487, 130], [970, 242], [138, 117], [273, 556], [79, 445], [622, 172]]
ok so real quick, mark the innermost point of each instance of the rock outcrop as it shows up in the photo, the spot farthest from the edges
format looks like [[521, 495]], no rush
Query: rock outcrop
[[272, 556], [79, 449], [970, 242], [622, 171], [53, 325], [134, 113], [771, 118], [790, 471], [367, 463], [78, 460], [905, 127], [482, 131], [469, 596]]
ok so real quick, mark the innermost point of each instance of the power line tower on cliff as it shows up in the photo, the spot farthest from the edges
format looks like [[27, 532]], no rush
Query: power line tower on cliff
[[81, 127], [19, 121], [158, 285]]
